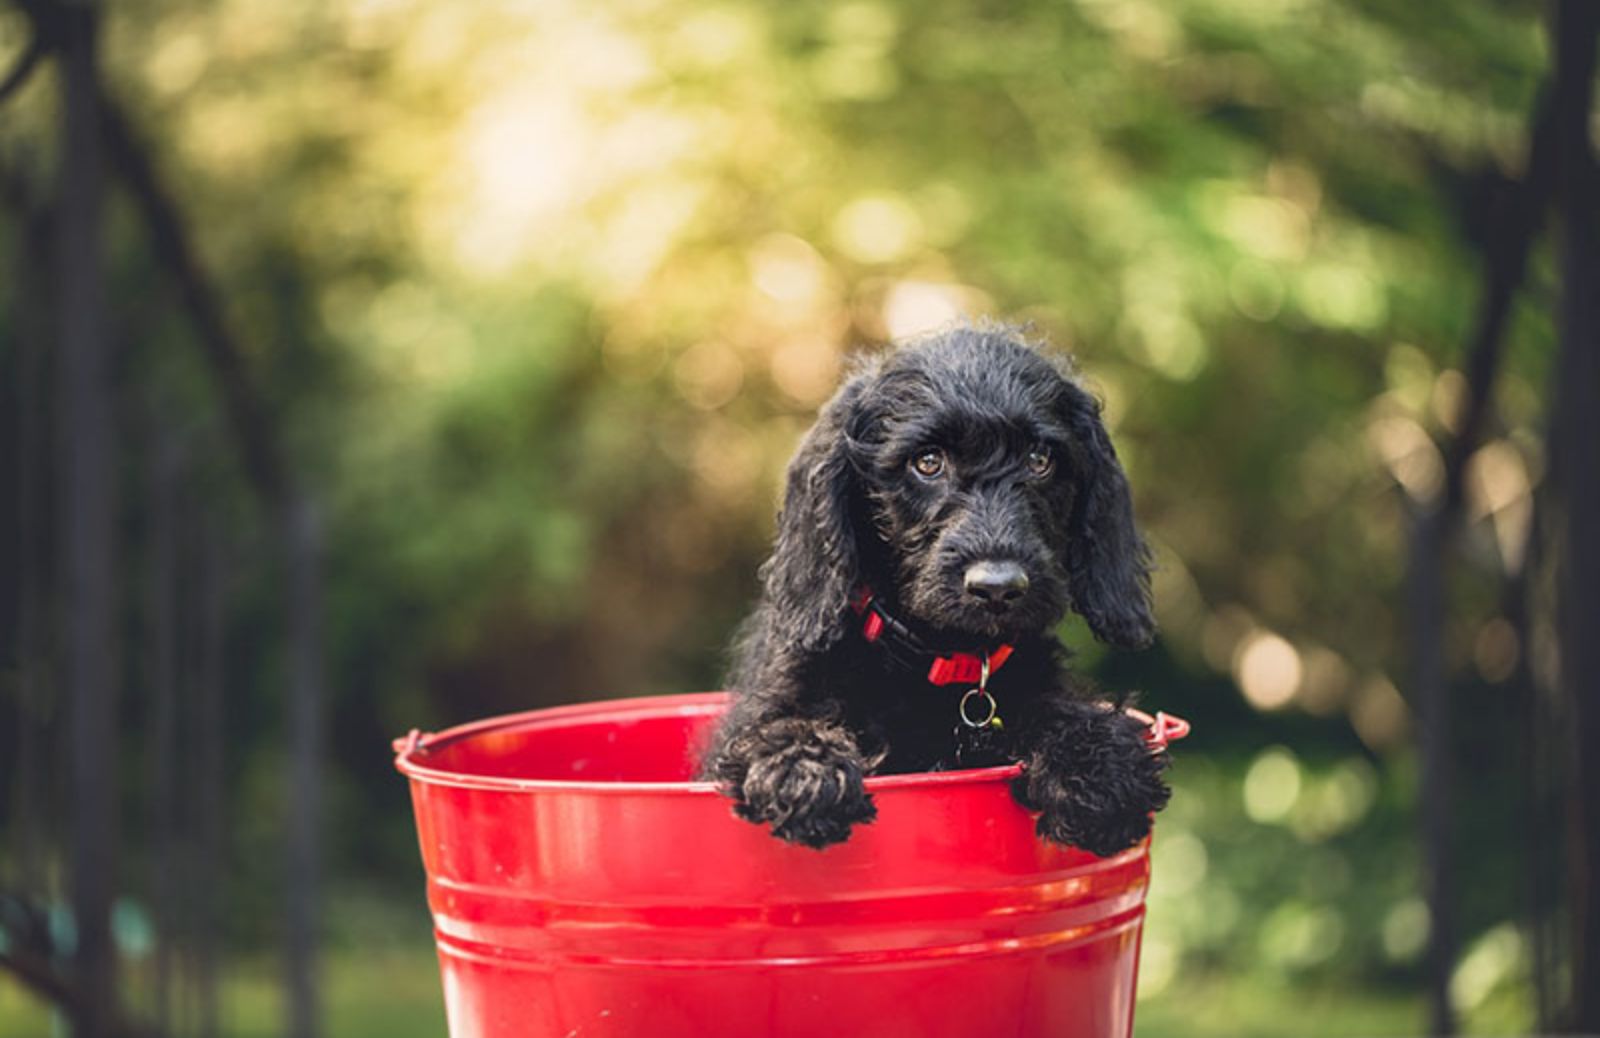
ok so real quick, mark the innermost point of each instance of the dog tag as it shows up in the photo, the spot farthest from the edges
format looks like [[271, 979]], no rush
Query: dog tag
[[979, 747], [978, 734]]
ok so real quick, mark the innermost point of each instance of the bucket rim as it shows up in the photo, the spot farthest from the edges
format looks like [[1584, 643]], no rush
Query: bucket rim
[[409, 750], [412, 748]]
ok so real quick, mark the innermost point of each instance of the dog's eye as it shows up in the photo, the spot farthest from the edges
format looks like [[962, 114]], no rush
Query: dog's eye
[[929, 464], [1040, 461]]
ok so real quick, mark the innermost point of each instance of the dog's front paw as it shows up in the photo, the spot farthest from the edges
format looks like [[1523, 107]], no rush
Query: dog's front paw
[[807, 784], [1095, 788], [1099, 829]]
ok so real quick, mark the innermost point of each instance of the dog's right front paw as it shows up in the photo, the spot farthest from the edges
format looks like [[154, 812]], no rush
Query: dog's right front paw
[[808, 786]]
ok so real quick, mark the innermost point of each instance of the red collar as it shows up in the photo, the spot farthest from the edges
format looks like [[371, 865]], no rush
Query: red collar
[[880, 628]]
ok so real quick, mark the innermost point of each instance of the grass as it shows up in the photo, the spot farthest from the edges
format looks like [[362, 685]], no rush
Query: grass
[[1231, 1007], [394, 991], [21, 1015]]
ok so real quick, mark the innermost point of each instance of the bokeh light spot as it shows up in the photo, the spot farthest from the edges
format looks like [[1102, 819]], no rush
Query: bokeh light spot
[[787, 269], [1298, 935], [1408, 373], [1379, 713], [914, 307], [1497, 478], [1270, 228], [1405, 930], [877, 229], [1494, 958], [805, 369], [1325, 685], [1410, 455], [1158, 964], [708, 375], [1334, 804], [1268, 670], [1272, 785], [1342, 296]]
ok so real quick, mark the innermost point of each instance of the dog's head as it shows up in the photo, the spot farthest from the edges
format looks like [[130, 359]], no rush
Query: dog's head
[[970, 480]]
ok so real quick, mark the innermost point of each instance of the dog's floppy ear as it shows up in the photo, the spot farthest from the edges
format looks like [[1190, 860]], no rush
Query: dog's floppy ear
[[814, 566], [1109, 571]]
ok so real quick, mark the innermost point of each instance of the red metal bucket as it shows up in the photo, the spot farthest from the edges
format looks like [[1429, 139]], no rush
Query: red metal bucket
[[581, 885]]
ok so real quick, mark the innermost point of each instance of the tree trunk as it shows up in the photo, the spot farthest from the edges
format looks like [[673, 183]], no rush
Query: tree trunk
[[211, 786], [161, 634], [36, 737], [303, 544], [88, 515], [1436, 526], [1427, 594], [1577, 461]]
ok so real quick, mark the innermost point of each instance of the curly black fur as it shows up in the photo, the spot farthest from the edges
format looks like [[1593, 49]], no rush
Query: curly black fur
[[1027, 478]]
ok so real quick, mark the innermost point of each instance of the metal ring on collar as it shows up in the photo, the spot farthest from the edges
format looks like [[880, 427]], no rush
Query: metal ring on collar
[[987, 698]]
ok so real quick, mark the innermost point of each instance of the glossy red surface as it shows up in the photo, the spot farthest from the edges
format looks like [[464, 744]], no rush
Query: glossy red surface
[[581, 885]]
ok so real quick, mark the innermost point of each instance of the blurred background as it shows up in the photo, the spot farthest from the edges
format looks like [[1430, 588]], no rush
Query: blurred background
[[379, 364]]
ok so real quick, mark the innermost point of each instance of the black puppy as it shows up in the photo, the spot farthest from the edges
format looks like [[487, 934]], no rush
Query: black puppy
[[953, 500]]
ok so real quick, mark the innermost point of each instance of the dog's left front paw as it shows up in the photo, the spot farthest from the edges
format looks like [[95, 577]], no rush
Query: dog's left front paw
[[1102, 832], [1098, 794]]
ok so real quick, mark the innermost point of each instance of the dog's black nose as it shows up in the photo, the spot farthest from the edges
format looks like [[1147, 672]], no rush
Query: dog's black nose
[[997, 583]]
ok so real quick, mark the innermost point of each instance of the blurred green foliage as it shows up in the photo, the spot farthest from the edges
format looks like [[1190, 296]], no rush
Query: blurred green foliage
[[544, 294]]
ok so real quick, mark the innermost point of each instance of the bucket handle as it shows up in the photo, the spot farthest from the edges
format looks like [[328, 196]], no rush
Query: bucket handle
[[1161, 729], [410, 743]]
